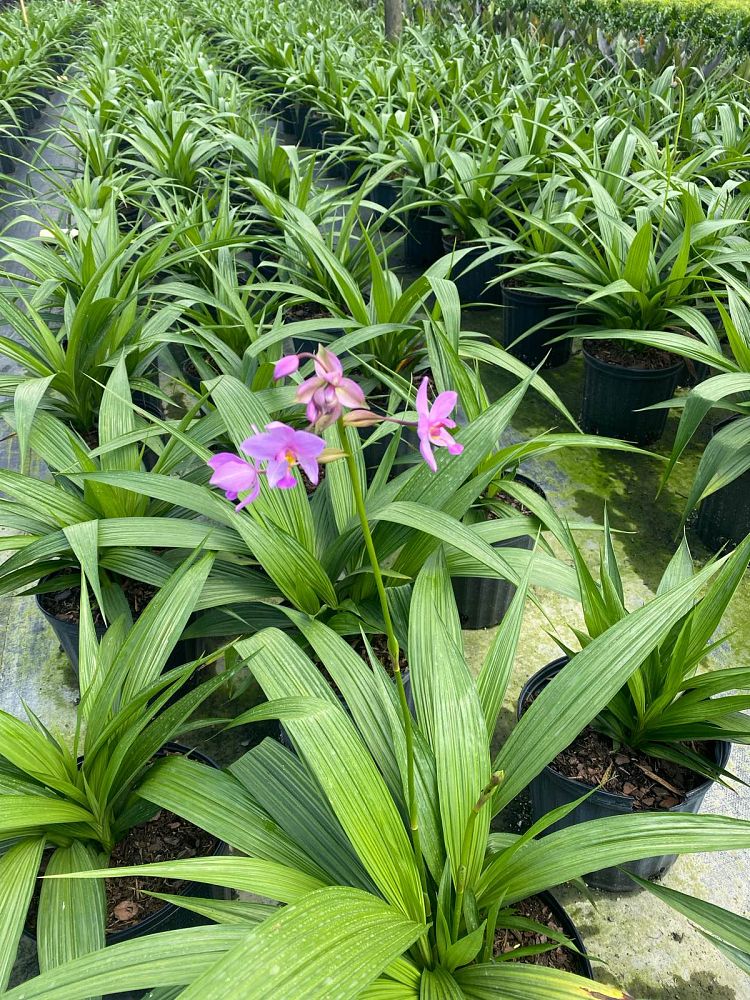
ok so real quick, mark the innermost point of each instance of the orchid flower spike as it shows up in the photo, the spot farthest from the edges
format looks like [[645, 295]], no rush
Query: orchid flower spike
[[281, 448], [434, 423], [235, 475]]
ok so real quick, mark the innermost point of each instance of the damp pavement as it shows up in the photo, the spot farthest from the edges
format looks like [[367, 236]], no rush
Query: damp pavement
[[635, 940]]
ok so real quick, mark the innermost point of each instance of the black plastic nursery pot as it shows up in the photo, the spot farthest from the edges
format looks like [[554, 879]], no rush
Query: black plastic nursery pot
[[570, 930], [551, 789], [613, 393], [483, 601], [524, 310], [424, 237], [168, 917], [724, 516], [385, 194], [68, 633], [473, 285], [314, 128]]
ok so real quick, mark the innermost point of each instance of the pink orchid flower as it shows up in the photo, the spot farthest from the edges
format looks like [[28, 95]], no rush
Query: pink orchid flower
[[234, 475], [281, 448], [325, 393], [434, 423]]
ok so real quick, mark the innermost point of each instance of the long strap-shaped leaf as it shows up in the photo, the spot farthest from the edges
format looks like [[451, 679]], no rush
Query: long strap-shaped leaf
[[330, 946], [514, 981], [71, 911], [728, 931], [333, 750], [171, 959], [18, 872], [602, 843], [216, 802]]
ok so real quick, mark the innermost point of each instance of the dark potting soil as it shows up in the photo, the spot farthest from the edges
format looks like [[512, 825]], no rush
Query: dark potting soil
[[166, 837], [65, 605], [505, 498], [507, 941], [650, 782], [618, 352], [305, 310], [379, 644], [310, 488]]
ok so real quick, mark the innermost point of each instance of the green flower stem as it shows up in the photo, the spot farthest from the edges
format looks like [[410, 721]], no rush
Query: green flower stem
[[393, 650], [485, 796]]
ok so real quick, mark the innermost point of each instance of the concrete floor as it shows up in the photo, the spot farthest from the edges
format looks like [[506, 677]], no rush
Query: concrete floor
[[636, 940]]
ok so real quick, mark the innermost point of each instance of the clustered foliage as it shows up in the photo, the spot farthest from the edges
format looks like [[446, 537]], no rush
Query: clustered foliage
[[215, 305]]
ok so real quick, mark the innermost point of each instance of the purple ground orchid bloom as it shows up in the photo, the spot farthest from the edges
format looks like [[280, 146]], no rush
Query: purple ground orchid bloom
[[434, 423], [281, 448], [234, 475], [327, 392]]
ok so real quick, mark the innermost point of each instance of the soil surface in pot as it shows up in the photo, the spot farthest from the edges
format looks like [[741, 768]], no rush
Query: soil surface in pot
[[379, 645], [618, 352], [166, 837], [505, 498], [65, 605], [507, 941], [650, 782], [305, 310]]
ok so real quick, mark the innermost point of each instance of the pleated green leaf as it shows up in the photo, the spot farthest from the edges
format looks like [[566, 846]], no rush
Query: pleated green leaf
[[279, 782], [216, 802], [728, 931], [454, 722], [262, 878], [330, 946], [569, 853], [333, 750], [170, 959], [71, 911], [19, 866], [515, 981]]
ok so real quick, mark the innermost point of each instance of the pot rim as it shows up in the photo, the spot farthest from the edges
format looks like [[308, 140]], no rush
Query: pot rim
[[572, 931], [724, 747], [644, 373]]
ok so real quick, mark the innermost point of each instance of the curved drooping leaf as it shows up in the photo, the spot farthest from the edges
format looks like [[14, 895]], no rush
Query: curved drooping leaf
[[329, 946]]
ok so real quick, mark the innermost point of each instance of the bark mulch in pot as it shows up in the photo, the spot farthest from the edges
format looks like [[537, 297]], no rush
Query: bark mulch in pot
[[507, 941], [166, 837], [651, 783], [65, 605]]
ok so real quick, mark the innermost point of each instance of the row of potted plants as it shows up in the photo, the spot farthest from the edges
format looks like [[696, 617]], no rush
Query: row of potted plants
[[31, 58], [372, 821]]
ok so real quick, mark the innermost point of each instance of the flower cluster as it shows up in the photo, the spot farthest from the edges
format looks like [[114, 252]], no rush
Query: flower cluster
[[275, 451]]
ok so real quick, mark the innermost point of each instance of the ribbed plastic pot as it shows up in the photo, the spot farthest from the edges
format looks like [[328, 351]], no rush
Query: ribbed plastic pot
[[314, 127], [484, 601], [524, 310], [612, 394], [67, 634], [551, 789], [168, 917], [472, 285], [424, 237], [290, 116], [570, 930], [385, 194], [724, 516]]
